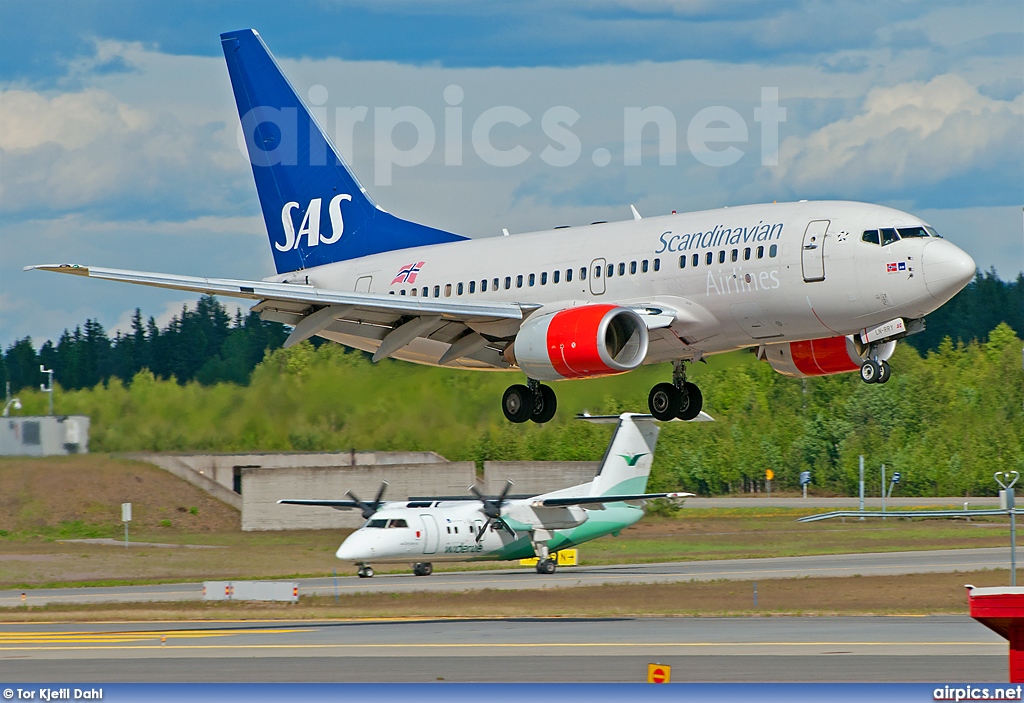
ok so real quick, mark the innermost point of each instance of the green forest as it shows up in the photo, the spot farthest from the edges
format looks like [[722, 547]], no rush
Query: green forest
[[947, 420]]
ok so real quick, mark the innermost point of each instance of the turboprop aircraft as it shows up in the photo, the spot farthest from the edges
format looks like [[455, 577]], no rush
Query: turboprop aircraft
[[814, 288], [423, 530]]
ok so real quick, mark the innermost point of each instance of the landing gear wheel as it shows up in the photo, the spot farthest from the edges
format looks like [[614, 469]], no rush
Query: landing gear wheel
[[517, 403], [545, 404], [885, 372], [664, 402], [365, 572], [691, 401], [546, 566], [870, 371], [424, 568]]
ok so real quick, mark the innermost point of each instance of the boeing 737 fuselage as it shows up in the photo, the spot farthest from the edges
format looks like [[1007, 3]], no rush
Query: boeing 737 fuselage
[[814, 287]]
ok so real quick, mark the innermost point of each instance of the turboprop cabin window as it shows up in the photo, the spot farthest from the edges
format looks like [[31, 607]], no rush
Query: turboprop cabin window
[[870, 236], [889, 236], [376, 523]]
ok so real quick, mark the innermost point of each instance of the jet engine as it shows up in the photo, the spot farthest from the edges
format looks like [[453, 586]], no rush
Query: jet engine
[[590, 340], [820, 357]]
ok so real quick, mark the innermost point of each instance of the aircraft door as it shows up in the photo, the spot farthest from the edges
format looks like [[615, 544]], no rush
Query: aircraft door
[[430, 534], [363, 284], [597, 277], [812, 254]]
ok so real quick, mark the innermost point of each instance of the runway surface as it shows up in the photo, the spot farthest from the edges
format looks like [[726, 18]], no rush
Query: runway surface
[[875, 564], [932, 648]]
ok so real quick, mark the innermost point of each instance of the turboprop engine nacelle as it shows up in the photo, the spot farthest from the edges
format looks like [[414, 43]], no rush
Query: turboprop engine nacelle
[[820, 357], [590, 340]]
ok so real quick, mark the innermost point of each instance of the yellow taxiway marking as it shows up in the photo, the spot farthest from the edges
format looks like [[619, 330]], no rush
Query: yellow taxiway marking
[[9, 638], [520, 645]]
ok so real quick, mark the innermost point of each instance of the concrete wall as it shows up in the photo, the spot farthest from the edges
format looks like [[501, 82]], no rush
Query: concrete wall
[[172, 464], [263, 487], [221, 467], [44, 435], [535, 477]]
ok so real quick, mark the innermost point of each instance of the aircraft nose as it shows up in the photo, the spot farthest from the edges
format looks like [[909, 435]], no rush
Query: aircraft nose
[[947, 269], [352, 549]]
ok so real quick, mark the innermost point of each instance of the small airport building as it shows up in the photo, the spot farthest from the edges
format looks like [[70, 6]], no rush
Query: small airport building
[[44, 435]]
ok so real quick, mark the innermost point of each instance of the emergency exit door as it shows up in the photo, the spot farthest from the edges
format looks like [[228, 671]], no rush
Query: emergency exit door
[[812, 253]]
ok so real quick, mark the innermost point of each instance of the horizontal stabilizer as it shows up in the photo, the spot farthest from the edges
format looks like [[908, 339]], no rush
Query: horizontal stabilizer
[[613, 419], [591, 500]]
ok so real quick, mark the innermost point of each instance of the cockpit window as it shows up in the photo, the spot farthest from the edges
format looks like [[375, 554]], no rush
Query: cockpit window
[[889, 236], [871, 236], [397, 523], [909, 232], [376, 523], [931, 231]]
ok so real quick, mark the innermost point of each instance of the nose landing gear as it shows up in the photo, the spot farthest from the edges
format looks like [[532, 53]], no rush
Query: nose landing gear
[[365, 571], [534, 401], [680, 398]]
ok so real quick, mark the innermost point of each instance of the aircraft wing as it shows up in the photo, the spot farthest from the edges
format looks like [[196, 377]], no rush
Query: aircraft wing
[[591, 500], [299, 293], [386, 323], [336, 504]]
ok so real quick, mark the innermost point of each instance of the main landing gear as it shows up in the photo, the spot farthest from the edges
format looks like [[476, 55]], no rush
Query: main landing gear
[[547, 566], [365, 571], [680, 398], [533, 401], [423, 568]]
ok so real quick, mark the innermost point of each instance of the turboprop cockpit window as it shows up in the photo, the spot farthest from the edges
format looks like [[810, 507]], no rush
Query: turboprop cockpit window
[[376, 523], [906, 232], [398, 522]]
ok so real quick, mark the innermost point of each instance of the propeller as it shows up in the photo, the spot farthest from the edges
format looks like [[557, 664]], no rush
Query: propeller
[[492, 509], [369, 508]]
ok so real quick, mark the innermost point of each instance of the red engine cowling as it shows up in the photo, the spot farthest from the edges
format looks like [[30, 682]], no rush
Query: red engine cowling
[[591, 340], [819, 357]]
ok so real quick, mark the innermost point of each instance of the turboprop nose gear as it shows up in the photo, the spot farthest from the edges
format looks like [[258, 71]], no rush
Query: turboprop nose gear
[[533, 401], [680, 398], [365, 571]]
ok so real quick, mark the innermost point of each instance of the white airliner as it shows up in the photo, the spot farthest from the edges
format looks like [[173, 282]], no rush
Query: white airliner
[[814, 288], [423, 531]]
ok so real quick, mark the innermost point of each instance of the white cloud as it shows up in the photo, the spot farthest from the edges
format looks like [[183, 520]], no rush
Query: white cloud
[[912, 133]]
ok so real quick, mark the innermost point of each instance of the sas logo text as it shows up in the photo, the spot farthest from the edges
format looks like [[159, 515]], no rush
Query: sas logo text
[[310, 226]]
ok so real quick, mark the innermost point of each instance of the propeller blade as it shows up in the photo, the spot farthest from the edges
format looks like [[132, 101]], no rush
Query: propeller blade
[[483, 529], [369, 509], [507, 529], [473, 489], [508, 487], [380, 494]]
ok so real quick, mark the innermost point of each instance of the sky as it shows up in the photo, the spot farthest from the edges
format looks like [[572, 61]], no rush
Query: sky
[[119, 135]]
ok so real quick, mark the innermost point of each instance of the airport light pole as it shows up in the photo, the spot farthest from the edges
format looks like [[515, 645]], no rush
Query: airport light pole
[[1007, 479], [43, 388]]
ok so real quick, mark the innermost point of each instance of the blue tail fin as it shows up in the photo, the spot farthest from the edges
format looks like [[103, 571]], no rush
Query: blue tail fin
[[315, 209]]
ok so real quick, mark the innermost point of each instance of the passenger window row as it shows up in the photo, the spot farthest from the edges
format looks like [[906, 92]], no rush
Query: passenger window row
[[733, 256], [529, 280]]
